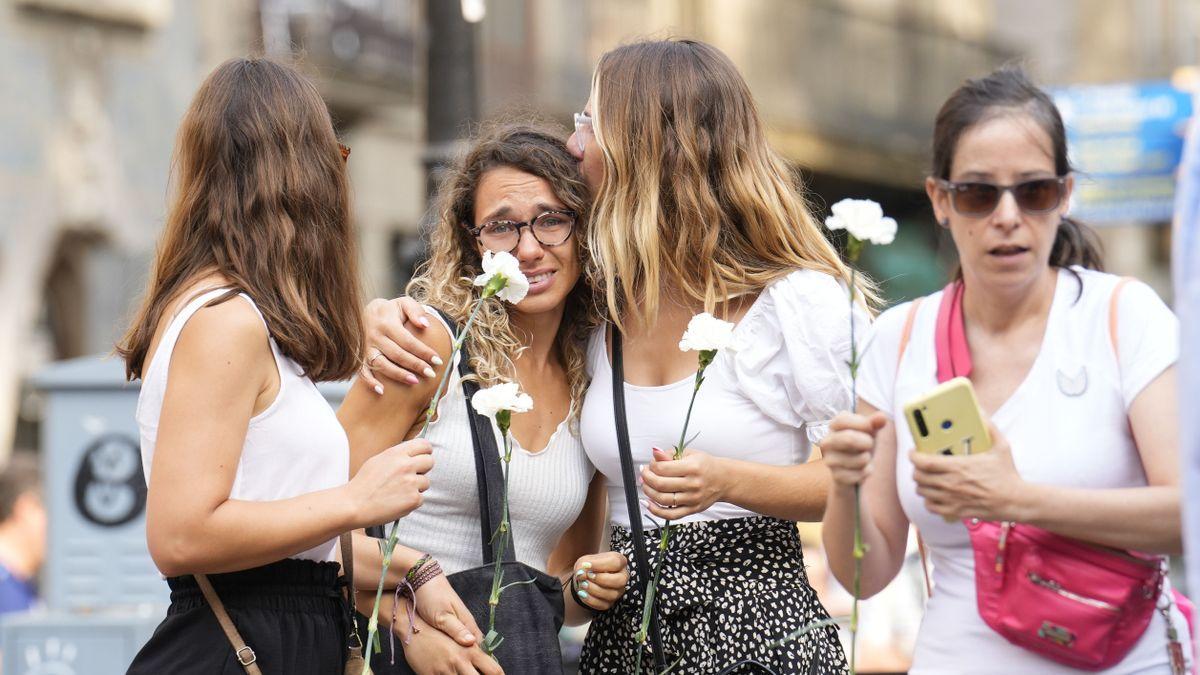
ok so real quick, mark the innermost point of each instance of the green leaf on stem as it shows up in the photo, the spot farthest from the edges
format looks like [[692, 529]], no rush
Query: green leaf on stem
[[492, 641], [804, 630], [505, 587]]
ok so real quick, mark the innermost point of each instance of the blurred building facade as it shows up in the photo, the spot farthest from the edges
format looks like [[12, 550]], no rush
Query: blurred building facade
[[93, 92]]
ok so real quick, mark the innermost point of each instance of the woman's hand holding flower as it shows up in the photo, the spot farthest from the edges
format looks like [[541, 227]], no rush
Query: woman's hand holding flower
[[850, 446], [681, 487]]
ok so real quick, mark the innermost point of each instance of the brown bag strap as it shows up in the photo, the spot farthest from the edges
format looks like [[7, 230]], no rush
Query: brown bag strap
[[245, 655], [354, 660]]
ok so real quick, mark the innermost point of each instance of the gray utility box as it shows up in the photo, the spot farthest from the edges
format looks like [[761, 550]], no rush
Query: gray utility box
[[103, 596]]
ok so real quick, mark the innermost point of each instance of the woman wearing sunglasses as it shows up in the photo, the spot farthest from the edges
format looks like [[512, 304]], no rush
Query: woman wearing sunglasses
[[1075, 371], [516, 190]]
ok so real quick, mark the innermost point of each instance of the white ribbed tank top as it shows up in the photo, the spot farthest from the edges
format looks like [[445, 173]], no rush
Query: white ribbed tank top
[[294, 447], [547, 490]]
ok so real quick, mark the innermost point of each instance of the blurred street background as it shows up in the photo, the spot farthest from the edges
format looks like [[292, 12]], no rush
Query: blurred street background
[[91, 92]]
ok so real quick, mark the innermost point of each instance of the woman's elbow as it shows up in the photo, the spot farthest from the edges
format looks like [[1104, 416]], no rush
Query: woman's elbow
[[174, 552], [169, 557]]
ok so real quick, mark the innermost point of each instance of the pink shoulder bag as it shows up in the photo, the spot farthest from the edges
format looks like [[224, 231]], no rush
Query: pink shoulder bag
[[1076, 603]]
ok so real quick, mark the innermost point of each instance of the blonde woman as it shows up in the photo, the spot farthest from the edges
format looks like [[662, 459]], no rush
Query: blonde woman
[[517, 190], [694, 212]]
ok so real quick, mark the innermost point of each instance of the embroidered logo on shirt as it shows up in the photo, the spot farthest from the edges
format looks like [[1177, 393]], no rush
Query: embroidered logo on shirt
[[1073, 385]]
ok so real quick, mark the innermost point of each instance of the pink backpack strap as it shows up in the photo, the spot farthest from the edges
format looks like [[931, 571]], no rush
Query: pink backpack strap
[[907, 332], [1114, 315]]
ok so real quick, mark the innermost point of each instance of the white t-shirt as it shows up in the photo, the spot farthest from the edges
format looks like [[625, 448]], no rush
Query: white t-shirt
[[1067, 425], [766, 400]]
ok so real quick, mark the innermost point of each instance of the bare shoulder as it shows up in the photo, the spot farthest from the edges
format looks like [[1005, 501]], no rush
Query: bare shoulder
[[436, 337], [228, 335]]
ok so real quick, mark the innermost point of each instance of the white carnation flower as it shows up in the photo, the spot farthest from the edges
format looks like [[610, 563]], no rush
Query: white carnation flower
[[863, 219], [503, 272], [705, 332], [503, 396]]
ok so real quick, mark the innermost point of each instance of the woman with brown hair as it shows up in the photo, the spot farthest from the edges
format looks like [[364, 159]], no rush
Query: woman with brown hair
[[253, 296], [515, 190]]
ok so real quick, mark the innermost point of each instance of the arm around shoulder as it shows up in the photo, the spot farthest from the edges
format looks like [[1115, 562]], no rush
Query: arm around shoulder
[[374, 421]]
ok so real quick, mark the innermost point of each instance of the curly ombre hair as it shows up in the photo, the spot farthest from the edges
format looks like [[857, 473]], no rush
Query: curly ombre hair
[[445, 279], [693, 199]]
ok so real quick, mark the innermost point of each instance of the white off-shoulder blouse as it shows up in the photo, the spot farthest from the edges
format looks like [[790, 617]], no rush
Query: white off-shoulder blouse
[[766, 400]]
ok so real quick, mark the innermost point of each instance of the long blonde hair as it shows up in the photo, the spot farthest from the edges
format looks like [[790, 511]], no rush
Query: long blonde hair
[[445, 279], [692, 197]]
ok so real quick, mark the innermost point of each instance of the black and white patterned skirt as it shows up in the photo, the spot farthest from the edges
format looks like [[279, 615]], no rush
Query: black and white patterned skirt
[[729, 589]]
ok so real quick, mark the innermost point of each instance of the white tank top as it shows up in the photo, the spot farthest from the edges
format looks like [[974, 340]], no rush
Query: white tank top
[[294, 447], [547, 490]]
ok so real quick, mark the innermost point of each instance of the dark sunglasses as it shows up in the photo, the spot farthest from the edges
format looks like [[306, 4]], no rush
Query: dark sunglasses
[[1038, 196]]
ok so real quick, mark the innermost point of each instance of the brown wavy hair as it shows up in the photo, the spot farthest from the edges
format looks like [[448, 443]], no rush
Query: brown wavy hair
[[445, 279], [260, 195], [693, 197]]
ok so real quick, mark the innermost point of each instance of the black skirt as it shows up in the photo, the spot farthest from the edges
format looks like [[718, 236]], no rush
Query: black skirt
[[291, 613], [729, 590]]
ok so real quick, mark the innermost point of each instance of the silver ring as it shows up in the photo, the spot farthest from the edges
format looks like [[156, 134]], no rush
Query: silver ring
[[674, 500], [371, 361]]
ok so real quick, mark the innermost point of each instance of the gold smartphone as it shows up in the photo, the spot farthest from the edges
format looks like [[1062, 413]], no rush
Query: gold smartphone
[[947, 420]]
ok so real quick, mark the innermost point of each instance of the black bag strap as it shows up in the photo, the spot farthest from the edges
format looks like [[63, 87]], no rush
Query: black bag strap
[[629, 481], [489, 474]]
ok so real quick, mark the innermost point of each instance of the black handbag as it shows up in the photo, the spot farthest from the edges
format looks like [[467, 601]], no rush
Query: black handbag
[[529, 615]]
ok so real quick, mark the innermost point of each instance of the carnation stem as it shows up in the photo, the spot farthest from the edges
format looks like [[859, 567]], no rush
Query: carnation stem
[[390, 544], [860, 550], [665, 538], [504, 533]]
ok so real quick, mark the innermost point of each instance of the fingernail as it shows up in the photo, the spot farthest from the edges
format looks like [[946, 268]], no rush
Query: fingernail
[[582, 594], [592, 576], [412, 379], [587, 565], [379, 389], [437, 360], [580, 573], [423, 321], [429, 372], [583, 584]]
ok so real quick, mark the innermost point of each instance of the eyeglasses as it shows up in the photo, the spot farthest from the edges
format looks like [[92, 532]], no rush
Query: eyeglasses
[[583, 129], [1041, 195], [345, 150], [549, 229]]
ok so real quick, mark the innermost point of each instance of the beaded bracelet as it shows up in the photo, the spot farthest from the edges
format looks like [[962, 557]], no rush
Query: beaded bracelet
[[427, 573], [412, 571]]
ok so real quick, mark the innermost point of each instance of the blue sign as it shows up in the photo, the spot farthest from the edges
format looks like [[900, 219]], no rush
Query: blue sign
[[1125, 141]]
